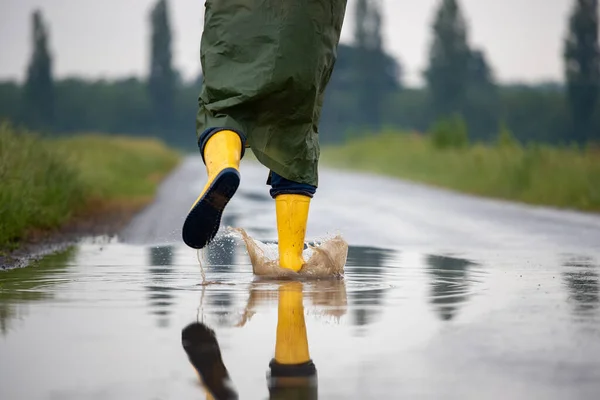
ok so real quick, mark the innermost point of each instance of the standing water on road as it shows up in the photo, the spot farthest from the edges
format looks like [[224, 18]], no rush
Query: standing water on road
[[105, 321]]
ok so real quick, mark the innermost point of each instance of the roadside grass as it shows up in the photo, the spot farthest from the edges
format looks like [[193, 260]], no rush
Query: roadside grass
[[45, 183], [117, 168], [536, 174]]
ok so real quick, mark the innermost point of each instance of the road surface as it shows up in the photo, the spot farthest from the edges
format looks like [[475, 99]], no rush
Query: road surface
[[444, 296]]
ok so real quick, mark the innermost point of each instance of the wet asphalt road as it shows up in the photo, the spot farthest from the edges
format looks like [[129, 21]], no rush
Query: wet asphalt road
[[444, 296]]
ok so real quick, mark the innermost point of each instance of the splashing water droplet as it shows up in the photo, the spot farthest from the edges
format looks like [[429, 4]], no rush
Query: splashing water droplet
[[326, 258]]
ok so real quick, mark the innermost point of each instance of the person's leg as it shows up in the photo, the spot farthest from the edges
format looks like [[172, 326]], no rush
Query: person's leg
[[292, 202], [221, 150]]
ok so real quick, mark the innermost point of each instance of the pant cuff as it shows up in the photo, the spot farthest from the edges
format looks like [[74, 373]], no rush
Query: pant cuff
[[281, 185]]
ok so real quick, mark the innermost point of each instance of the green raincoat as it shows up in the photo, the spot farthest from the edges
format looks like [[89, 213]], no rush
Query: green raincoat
[[266, 64]]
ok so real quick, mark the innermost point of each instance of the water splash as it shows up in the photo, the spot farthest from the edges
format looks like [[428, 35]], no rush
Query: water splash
[[200, 256], [325, 259]]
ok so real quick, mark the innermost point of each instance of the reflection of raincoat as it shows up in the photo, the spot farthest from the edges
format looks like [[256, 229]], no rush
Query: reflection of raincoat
[[266, 64]]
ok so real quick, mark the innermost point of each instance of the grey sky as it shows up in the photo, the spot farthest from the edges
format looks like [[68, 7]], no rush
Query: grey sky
[[522, 38]]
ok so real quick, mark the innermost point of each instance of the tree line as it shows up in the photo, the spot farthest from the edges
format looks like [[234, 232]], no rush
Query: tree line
[[366, 93]]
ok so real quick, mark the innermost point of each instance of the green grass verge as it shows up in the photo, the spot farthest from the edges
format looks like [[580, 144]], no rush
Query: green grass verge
[[541, 175], [47, 182]]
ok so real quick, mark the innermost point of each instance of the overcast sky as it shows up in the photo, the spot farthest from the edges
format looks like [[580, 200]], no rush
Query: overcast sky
[[109, 38]]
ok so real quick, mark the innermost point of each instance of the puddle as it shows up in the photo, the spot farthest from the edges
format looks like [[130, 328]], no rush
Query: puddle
[[106, 321]]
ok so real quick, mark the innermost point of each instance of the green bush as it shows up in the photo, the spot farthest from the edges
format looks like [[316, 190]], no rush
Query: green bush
[[450, 133], [506, 139]]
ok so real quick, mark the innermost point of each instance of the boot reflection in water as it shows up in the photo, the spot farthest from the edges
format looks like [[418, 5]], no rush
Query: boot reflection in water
[[292, 373], [266, 100], [204, 353]]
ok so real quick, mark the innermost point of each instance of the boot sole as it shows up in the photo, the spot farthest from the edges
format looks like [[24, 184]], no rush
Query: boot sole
[[204, 219]]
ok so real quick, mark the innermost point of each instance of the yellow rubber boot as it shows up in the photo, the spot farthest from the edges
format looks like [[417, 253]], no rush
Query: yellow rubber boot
[[292, 215], [222, 155], [223, 150]]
